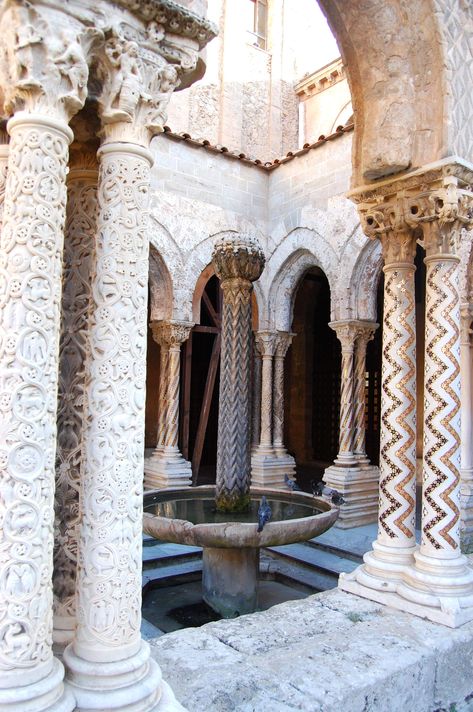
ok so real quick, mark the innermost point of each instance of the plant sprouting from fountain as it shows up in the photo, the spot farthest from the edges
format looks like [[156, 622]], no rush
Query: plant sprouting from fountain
[[238, 261]]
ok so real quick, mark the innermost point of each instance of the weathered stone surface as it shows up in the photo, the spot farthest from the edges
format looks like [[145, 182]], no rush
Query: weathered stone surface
[[326, 653]]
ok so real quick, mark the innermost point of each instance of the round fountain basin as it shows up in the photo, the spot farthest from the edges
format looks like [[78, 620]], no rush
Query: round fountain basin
[[188, 516]]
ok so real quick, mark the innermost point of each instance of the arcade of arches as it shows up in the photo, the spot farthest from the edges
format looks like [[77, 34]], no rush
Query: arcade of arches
[[102, 216]]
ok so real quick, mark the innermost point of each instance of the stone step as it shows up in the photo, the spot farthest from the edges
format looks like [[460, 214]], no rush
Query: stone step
[[161, 551], [168, 574], [317, 558]]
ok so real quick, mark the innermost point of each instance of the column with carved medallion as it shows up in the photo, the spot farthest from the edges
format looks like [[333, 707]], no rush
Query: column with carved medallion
[[440, 583], [466, 456], [108, 664], [78, 266], [41, 104], [166, 467], [351, 474], [394, 547]]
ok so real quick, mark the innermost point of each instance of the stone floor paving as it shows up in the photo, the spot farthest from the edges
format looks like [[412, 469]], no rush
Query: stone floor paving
[[331, 652]]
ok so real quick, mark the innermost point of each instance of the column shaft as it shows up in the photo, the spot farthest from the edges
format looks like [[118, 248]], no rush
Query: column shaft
[[256, 397], [163, 395], [359, 398], [466, 456], [76, 300], [31, 253]]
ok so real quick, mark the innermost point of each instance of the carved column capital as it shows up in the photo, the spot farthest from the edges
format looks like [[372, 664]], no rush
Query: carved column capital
[[283, 341], [365, 331], [387, 222], [466, 324], [266, 343], [171, 334], [347, 332], [44, 68], [238, 257]]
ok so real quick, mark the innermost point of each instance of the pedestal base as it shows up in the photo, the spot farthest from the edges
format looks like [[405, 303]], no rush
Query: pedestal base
[[63, 633], [230, 580], [359, 486], [268, 468], [166, 470], [46, 695], [130, 685]]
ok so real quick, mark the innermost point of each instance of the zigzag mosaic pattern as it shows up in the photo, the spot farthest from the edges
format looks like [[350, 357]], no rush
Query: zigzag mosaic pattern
[[440, 516], [397, 456]]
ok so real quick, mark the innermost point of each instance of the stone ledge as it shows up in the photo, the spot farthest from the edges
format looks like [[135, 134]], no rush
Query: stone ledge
[[327, 653]]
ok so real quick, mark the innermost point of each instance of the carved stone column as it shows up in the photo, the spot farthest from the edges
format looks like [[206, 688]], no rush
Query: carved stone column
[[351, 474], [78, 266], [263, 457], [166, 467], [394, 548], [108, 664], [256, 397], [285, 462], [238, 263], [41, 105], [466, 456], [441, 579]]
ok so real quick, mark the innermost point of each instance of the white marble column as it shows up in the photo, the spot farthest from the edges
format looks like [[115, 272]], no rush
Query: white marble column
[[41, 104], [166, 468], [263, 458], [441, 581], [394, 547], [351, 474], [466, 404], [108, 664], [78, 267]]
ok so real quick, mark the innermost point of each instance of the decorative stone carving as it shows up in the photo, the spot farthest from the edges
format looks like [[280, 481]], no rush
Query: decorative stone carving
[[346, 334], [237, 262], [284, 341], [166, 467], [364, 334], [266, 344], [31, 257], [78, 266], [42, 69]]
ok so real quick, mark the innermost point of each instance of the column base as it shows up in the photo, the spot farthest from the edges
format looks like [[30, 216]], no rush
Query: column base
[[49, 694], [130, 685], [359, 486], [269, 466], [167, 469]]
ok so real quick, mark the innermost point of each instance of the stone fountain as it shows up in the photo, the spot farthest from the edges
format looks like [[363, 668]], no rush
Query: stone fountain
[[223, 519]]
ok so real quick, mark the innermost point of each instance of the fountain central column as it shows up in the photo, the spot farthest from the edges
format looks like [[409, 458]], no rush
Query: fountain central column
[[237, 263]]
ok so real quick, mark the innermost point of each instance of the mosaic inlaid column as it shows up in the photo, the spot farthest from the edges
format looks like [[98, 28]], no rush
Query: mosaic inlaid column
[[41, 105], [78, 266], [108, 664], [466, 455], [351, 474], [441, 577], [166, 467], [237, 262], [395, 545]]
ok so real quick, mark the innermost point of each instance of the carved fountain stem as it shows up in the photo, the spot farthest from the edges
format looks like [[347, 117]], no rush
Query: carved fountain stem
[[237, 263]]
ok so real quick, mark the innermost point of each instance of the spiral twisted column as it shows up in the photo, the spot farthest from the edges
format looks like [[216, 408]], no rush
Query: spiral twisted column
[[441, 578], [166, 467], [266, 344], [346, 334], [78, 265], [466, 455], [364, 334], [237, 262]]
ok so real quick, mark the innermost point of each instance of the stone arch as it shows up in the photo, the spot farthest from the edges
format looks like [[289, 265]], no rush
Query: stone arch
[[160, 287], [406, 53], [364, 282], [284, 287]]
